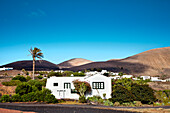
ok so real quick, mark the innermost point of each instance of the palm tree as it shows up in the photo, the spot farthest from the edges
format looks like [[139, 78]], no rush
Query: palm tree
[[35, 53]]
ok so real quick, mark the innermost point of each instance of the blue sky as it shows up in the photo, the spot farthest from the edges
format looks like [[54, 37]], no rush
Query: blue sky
[[97, 30]]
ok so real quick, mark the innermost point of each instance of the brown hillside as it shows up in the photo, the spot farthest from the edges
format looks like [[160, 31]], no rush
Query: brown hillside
[[152, 62], [74, 62], [158, 61]]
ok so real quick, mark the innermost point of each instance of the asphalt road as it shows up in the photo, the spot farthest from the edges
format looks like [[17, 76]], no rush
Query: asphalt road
[[60, 108]]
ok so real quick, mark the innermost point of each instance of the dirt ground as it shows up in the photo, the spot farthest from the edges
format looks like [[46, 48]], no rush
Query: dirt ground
[[2, 110], [160, 85]]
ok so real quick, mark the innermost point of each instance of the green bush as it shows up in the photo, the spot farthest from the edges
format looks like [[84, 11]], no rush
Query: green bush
[[167, 92], [21, 78], [40, 76], [121, 95], [40, 95], [12, 83], [23, 88], [162, 97], [49, 98], [43, 81], [35, 83], [116, 104], [143, 93], [29, 97], [78, 74], [5, 98], [108, 103], [130, 104], [16, 98], [137, 103], [28, 78], [94, 99], [82, 99], [54, 74]]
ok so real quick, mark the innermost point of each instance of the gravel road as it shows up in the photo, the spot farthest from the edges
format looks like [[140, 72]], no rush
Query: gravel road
[[60, 108]]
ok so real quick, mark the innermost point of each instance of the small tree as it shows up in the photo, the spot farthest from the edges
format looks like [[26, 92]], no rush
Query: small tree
[[82, 87], [24, 72]]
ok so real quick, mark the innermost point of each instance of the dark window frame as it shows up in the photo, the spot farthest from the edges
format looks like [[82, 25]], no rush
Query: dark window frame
[[68, 85], [98, 84], [55, 84]]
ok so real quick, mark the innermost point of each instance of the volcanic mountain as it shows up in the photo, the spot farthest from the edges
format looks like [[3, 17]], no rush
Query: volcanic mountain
[[73, 62], [152, 62], [42, 65]]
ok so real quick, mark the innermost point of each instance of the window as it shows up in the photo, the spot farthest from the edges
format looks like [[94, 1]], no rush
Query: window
[[67, 85], [55, 84], [98, 85]]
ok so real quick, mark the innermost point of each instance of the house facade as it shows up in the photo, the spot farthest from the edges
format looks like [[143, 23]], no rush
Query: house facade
[[63, 87]]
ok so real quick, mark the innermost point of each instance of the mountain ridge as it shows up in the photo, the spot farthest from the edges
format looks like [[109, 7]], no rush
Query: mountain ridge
[[73, 62]]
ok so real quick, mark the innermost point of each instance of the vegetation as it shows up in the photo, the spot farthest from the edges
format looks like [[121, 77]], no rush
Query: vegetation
[[82, 99], [28, 78], [23, 88], [127, 90], [99, 100], [21, 78], [30, 91], [65, 73], [40, 76], [143, 93], [35, 53], [16, 98], [82, 87], [163, 97], [121, 95], [12, 83], [5, 98]]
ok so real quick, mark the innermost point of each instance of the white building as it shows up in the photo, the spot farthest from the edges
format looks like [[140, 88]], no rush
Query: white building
[[104, 71], [115, 77], [60, 71], [167, 80], [92, 73], [127, 76], [145, 77], [155, 79], [6, 68], [112, 73], [62, 87]]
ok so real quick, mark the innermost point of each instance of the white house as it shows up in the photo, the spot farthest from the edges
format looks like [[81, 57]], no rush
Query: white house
[[60, 71], [155, 79], [112, 73], [115, 77], [62, 87], [145, 77], [91, 73], [6, 68], [167, 80], [127, 76], [104, 71]]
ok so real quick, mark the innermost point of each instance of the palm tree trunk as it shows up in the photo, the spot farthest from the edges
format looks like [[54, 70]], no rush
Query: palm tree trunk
[[33, 67]]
